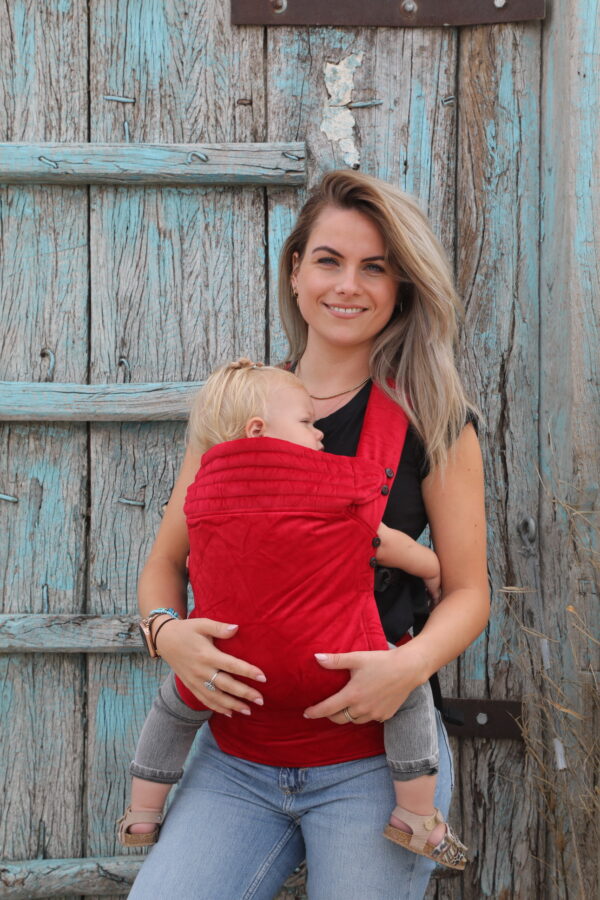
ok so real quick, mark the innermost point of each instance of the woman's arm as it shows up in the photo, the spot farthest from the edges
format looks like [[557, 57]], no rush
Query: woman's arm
[[381, 680], [187, 645]]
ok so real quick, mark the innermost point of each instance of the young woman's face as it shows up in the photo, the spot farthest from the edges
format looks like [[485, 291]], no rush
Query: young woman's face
[[346, 290]]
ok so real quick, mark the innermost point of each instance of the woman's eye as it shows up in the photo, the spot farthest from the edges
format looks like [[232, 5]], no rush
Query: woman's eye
[[326, 260], [373, 267]]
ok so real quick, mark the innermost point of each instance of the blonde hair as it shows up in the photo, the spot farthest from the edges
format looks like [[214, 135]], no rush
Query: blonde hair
[[230, 396], [416, 348]]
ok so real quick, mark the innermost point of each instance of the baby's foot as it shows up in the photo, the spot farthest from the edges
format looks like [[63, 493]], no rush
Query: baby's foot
[[434, 837], [427, 835], [143, 827], [140, 827]]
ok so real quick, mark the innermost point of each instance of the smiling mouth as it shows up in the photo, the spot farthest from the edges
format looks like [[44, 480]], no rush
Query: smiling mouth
[[345, 310]]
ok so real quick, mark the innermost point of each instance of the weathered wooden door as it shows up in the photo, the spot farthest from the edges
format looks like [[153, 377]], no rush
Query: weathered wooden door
[[129, 270]]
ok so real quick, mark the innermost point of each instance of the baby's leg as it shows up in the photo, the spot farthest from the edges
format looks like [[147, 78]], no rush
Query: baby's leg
[[163, 746], [412, 753]]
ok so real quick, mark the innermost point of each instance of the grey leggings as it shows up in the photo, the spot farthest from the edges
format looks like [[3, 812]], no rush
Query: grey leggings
[[410, 736]]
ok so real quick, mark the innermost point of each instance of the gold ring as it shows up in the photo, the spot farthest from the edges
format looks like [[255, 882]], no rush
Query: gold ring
[[348, 715]]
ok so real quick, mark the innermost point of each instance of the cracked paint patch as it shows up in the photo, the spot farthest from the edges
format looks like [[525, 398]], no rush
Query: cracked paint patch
[[338, 122]]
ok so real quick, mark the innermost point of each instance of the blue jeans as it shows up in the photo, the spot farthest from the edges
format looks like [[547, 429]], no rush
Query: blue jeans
[[237, 829]]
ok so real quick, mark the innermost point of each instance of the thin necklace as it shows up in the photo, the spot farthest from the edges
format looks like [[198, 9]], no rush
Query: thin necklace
[[341, 393]]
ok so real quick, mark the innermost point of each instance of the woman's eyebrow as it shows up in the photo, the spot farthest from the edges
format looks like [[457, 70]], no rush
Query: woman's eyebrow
[[337, 253]]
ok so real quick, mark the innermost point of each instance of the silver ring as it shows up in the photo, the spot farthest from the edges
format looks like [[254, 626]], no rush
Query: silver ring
[[348, 715], [210, 684]]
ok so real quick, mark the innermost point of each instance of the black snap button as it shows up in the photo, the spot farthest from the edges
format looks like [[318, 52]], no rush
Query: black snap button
[[389, 472], [376, 541], [373, 562], [385, 489]]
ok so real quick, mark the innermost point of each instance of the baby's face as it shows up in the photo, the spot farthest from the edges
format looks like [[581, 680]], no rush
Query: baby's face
[[290, 416]]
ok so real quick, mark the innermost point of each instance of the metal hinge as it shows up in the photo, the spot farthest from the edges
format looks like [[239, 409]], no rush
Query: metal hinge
[[401, 13], [483, 718]]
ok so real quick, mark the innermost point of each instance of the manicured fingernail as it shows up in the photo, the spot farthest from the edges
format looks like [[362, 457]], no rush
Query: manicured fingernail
[[229, 715], [260, 678], [305, 716], [230, 627], [320, 656], [259, 701], [245, 712]]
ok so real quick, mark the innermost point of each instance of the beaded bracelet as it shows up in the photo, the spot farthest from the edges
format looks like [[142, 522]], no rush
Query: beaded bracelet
[[169, 612]]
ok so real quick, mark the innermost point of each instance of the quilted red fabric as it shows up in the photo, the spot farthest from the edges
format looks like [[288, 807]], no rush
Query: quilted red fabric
[[281, 543]]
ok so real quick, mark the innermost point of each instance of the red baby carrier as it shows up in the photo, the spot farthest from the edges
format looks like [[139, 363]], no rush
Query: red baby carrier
[[281, 543]]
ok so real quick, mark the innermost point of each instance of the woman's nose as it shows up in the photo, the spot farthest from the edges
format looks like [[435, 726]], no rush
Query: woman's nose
[[348, 282]]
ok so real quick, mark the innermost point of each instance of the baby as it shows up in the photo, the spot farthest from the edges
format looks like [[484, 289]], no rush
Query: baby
[[244, 401]]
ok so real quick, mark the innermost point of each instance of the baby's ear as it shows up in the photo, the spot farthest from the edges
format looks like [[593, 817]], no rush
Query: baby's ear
[[255, 427]]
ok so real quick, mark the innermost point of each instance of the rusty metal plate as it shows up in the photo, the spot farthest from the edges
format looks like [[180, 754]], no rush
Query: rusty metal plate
[[483, 718], [402, 13]]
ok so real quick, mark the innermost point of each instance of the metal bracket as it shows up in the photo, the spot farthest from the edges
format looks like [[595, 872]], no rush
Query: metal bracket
[[483, 718], [401, 13]]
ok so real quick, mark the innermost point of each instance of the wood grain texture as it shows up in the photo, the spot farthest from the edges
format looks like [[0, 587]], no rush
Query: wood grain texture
[[33, 402], [43, 307], [100, 876], [178, 286], [497, 265], [29, 633], [569, 438], [186, 164]]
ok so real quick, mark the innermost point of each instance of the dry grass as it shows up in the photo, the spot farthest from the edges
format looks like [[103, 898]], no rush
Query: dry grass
[[562, 708]]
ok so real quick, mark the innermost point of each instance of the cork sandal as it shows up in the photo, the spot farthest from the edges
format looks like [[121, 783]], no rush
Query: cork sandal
[[449, 852], [133, 817]]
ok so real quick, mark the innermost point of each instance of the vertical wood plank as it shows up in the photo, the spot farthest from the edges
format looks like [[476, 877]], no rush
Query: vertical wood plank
[[570, 436], [43, 306], [178, 286], [497, 250]]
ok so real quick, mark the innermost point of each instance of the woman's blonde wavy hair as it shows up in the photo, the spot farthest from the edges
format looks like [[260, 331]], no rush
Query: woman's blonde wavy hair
[[416, 348], [229, 397]]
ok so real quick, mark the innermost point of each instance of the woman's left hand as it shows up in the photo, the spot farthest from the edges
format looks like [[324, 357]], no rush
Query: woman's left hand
[[380, 681]]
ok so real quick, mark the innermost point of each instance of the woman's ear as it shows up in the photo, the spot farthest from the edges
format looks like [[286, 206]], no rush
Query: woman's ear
[[294, 272], [255, 427]]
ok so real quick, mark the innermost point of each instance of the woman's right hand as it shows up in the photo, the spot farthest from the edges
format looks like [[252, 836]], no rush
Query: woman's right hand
[[188, 647]]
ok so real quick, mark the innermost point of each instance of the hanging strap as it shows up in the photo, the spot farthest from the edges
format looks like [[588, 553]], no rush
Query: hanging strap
[[382, 440]]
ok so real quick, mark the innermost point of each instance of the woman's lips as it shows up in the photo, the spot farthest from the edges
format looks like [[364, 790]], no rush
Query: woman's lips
[[344, 312]]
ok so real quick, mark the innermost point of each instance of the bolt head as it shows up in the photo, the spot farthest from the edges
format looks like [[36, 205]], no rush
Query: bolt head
[[409, 6], [499, 3]]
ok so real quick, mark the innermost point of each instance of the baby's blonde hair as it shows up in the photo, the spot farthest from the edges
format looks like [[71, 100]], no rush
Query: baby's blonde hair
[[230, 396]]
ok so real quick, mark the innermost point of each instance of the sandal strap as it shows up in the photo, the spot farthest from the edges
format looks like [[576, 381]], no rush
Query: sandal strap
[[421, 826], [135, 817], [450, 851]]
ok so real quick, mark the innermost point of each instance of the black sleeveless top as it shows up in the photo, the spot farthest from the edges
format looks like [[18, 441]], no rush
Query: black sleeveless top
[[401, 598]]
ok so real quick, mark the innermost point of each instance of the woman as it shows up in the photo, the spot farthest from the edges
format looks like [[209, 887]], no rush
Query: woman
[[365, 293]]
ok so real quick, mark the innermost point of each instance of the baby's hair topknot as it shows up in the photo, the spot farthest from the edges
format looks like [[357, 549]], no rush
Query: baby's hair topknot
[[245, 363]]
